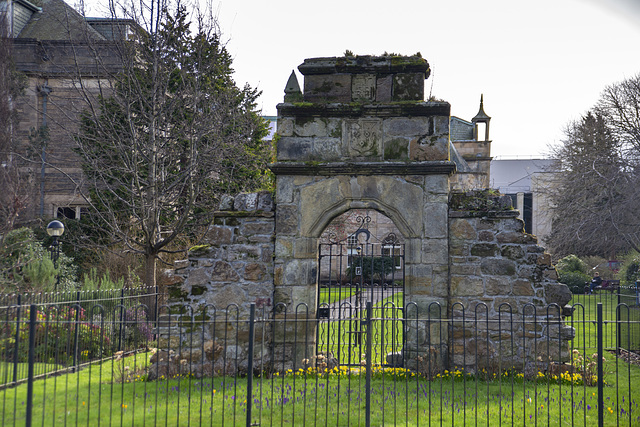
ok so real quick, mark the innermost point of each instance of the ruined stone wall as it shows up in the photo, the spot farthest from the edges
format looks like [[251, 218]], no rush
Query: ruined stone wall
[[497, 270], [214, 288]]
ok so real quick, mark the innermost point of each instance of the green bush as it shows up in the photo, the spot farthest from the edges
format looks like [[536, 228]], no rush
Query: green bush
[[571, 263], [630, 269], [572, 271], [373, 268], [575, 280], [26, 265]]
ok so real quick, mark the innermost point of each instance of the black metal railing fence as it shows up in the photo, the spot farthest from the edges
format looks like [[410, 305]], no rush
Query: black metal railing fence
[[263, 367]]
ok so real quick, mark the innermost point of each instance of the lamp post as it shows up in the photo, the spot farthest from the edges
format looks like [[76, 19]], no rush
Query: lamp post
[[55, 229]]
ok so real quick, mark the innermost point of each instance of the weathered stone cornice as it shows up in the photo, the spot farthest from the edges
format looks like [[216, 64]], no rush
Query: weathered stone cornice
[[393, 109], [364, 168], [365, 64]]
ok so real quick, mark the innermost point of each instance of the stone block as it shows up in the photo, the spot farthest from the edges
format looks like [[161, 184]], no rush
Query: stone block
[[522, 288], [224, 295], [254, 272], [383, 88], [287, 220], [327, 88], [265, 202], [285, 126], [466, 286], [246, 202], [304, 247], [435, 220], [257, 227], [284, 247], [513, 252], [462, 229], [362, 138], [289, 148], [437, 184], [408, 87], [309, 127], [544, 260], [484, 250], [226, 203], [557, 293], [498, 267], [396, 149], [363, 88], [404, 127], [486, 236], [429, 148], [198, 276], [284, 189], [224, 272], [327, 149], [218, 235], [435, 251], [498, 285]]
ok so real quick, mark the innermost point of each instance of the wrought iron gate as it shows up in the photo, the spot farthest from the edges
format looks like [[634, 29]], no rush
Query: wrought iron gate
[[352, 272]]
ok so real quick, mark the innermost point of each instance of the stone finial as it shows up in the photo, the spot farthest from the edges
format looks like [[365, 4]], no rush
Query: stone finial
[[481, 116], [292, 90]]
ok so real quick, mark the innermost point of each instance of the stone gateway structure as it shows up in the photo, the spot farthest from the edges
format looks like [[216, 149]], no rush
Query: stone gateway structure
[[360, 136]]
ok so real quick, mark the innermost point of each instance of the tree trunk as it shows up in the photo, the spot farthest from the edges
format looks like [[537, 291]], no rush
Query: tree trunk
[[150, 269]]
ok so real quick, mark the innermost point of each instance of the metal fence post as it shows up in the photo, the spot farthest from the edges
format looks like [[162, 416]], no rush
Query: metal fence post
[[77, 331], [121, 319], [32, 344], [600, 367], [252, 319], [16, 349], [368, 367]]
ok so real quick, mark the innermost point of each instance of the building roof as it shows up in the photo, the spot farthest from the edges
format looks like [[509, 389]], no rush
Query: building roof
[[514, 176], [58, 21]]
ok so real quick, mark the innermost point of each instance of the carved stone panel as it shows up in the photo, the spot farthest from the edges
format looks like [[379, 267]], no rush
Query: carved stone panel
[[363, 87], [363, 138]]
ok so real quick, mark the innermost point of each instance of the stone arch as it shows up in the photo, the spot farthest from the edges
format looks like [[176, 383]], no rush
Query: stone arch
[[394, 197], [330, 213]]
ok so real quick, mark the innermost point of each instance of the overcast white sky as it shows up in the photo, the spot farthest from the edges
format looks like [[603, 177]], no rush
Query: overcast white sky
[[538, 63]]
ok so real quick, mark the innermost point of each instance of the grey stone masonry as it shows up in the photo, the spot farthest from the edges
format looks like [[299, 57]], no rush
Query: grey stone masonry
[[234, 263], [497, 270], [222, 277]]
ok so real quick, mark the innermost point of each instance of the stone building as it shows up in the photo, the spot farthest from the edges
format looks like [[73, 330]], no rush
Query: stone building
[[67, 60]]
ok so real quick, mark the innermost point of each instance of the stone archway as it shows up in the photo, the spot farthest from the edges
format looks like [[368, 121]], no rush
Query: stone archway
[[362, 139]]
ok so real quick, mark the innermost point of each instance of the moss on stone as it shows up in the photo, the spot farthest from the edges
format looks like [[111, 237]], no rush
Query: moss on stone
[[199, 249], [396, 149], [198, 290], [176, 293]]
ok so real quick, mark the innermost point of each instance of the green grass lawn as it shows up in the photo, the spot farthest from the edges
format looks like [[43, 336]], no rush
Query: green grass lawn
[[331, 295], [97, 394]]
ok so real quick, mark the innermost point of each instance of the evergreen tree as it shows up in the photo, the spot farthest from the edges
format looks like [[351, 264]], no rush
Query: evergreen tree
[[171, 134]]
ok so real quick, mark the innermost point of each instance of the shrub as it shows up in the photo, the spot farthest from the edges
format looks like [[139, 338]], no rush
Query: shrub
[[25, 265], [575, 280], [571, 263], [58, 331], [572, 271]]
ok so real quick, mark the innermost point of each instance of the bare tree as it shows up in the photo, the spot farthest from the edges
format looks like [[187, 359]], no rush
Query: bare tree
[[596, 192]]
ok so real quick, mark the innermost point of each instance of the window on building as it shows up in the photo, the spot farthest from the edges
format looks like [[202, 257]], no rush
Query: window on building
[[70, 212], [352, 249], [394, 251]]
